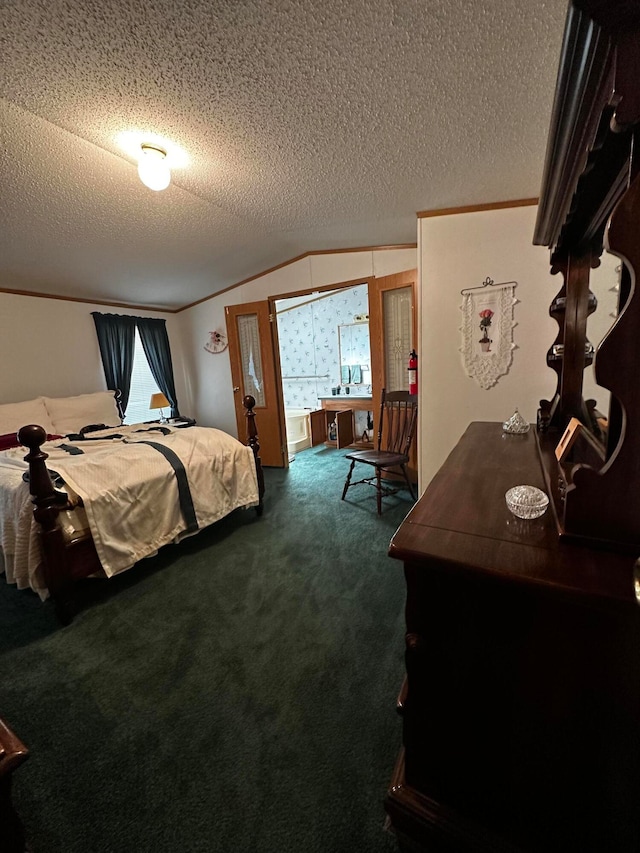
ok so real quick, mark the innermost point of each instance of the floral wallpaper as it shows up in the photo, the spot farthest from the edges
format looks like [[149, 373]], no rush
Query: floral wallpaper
[[308, 336]]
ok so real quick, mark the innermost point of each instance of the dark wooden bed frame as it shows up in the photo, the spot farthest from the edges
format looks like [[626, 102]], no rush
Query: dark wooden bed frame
[[66, 562]]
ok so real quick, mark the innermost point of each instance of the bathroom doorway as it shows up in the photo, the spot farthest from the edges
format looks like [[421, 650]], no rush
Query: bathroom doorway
[[324, 353], [310, 368]]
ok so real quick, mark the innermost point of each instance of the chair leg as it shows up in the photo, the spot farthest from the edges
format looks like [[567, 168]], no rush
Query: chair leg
[[379, 489], [348, 480], [409, 483]]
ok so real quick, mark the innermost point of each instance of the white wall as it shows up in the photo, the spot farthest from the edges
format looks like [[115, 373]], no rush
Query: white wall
[[460, 251], [210, 375], [49, 347]]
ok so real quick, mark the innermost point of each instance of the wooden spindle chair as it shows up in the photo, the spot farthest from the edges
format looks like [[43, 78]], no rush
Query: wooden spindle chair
[[396, 429]]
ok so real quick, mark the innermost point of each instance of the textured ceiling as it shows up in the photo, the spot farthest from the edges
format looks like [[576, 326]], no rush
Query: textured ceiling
[[308, 124]]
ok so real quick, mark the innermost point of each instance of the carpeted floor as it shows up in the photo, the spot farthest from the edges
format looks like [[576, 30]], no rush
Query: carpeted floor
[[234, 693]]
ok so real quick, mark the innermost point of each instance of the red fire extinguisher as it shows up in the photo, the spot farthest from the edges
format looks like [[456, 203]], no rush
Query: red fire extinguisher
[[413, 372]]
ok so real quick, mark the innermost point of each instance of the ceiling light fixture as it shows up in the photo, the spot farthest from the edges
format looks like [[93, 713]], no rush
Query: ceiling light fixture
[[153, 169]]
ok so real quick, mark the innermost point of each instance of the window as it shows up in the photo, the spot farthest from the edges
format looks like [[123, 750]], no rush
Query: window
[[125, 345], [143, 385], [397, 306]]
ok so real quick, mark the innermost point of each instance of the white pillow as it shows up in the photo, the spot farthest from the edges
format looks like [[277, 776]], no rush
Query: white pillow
[[16, 415], [70, 414]]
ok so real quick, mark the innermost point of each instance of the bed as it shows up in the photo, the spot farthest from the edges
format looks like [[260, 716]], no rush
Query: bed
[[93, 496]]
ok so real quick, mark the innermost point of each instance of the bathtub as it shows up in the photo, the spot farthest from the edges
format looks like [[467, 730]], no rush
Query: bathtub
[[298, 432]]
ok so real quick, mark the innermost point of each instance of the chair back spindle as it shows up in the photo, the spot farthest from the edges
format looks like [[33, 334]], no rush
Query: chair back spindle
[[398, 412]]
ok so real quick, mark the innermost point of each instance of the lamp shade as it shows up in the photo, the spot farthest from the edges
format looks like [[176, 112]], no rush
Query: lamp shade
[[159, 401]]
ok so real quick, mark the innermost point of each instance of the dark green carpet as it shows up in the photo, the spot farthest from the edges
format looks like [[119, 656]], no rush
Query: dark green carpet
[[235, 693]]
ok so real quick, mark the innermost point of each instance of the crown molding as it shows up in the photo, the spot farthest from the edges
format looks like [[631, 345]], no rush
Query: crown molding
[[134, 307], [295, 260], [475, 208]]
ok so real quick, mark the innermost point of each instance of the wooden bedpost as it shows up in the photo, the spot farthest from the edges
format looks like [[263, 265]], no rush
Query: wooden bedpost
[[47, 504], [252, 440]]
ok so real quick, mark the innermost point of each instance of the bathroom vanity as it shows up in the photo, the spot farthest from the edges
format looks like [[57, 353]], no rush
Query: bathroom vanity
[[340, 408]]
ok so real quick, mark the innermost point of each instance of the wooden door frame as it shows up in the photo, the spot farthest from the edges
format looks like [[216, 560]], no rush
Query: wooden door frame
[[403, 279], [275, 343], [406, 278], [273, 442]]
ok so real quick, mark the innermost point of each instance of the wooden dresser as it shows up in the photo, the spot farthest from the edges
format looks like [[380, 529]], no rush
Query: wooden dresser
[[12, 754], [521, 705]]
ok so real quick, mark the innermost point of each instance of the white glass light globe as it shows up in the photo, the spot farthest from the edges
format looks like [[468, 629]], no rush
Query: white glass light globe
[[153, 169]]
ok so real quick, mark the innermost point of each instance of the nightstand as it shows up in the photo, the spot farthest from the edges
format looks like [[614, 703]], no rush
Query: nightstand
[[181, 422]]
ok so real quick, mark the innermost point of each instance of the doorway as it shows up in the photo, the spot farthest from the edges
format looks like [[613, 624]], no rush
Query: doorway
[[324, 352], [313, 370]]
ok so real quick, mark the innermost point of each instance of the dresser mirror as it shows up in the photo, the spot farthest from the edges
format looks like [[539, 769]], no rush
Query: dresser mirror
[[590, 198], [604, 285]]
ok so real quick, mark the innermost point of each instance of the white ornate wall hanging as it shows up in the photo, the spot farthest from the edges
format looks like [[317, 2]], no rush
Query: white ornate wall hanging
[[217, 342], [487, 330]]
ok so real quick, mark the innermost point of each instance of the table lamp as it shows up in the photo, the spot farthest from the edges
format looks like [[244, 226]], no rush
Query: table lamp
[[159, 401]]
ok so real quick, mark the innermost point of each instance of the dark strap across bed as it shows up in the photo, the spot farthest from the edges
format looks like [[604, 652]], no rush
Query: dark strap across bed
[[184, 492]]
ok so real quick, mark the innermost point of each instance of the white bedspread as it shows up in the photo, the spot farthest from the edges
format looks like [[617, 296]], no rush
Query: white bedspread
[[129, 491]]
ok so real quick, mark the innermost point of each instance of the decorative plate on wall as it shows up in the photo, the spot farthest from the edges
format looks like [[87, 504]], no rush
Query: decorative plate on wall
[[217, 342]]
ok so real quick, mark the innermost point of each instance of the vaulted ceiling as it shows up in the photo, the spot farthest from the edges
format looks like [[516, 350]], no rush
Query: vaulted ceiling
[[308, 125]]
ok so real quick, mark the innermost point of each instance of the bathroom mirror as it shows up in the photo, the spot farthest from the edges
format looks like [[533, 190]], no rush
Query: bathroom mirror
[[604, 283], [355, 354]]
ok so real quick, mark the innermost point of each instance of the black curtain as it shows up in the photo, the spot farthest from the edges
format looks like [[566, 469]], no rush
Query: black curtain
[[116, 338], [155, 342]]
